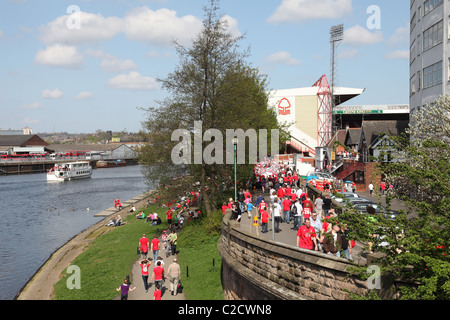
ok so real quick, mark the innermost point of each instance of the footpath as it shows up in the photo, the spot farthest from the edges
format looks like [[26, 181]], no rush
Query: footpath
[[287, 235], [137, 281]]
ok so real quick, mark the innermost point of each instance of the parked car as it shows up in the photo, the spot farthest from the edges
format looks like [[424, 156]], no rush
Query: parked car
[[366, 206], [346, 196]]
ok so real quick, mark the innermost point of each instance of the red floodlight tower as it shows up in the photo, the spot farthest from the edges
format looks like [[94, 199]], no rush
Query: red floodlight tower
[[324, 111]]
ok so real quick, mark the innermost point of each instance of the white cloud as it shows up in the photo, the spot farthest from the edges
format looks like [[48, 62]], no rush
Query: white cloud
[[400, 36], [115, 65], [84, 95], [133, 81], [305, 10], [59, 56], [92, 28], [283, 58], [110, 63], [400, 54], [31, 106], [52, 94], [358, 35], [233, 25], [161, 27]]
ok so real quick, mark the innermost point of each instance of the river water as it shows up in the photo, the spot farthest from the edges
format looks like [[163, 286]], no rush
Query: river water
[[38, 217]]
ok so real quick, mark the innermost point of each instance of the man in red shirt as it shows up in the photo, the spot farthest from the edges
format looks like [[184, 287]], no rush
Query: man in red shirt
[[307, 208], [143, 246], [306, 236], [264, 220], [280, 193], [155, 247], [158, 274], [169, 217], [286, 209]]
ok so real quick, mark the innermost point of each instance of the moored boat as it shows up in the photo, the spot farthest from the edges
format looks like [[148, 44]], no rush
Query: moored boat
[[110, 164], [70, 171]]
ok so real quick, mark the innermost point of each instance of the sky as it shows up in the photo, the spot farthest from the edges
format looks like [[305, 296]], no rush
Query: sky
[[87, 65]]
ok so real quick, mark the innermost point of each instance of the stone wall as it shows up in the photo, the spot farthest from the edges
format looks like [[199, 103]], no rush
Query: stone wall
[[257, 269]]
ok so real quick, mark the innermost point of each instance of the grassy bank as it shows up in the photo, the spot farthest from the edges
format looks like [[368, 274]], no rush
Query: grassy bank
[[109, 258], [198, 251]]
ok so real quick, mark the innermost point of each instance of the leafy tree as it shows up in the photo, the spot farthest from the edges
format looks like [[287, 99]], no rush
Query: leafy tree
[[418, 238], [213, 85]]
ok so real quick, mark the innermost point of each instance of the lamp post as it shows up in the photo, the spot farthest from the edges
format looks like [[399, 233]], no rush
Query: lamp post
[[235, 143]]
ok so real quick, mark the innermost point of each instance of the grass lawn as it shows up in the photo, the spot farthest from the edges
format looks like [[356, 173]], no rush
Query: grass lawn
[[109, 258], [198, 249]]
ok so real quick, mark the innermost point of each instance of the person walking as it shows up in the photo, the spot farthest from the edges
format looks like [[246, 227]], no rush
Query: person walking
[[326, 205], [371, 189], [157, 294], [124, 290], [276, 209], [286, 209], [264, 220], [307, 237], [296, 210], [155, 247], [145, 265], [332, 242], [158, 275], [143, 246], [173, 237], [174, 274]]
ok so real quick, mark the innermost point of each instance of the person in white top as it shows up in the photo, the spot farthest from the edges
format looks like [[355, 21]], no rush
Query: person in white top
[[276, 213]]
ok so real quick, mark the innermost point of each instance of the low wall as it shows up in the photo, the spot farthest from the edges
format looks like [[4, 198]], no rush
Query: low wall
[[257, 269]]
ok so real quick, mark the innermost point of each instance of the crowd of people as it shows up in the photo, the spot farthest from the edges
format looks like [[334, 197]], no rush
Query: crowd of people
[[290, 204]]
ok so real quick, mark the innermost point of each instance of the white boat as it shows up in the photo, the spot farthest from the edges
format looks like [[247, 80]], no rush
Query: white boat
[[70, 171]]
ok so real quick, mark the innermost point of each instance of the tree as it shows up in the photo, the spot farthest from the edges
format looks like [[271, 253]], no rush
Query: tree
[[212, 85], [418, 239]]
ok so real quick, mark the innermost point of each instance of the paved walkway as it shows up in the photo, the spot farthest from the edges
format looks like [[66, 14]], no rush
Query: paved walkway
[[140, 294], [287, 235]]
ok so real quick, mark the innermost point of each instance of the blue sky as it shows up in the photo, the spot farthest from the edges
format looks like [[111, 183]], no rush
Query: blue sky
[[58, 74]]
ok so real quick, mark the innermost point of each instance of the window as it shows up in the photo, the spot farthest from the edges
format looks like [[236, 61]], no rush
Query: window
[[412, 52], [412, 85], [419, 44], [419, 80], [433, 35], [412, 23], [430, 5], [432, 75]]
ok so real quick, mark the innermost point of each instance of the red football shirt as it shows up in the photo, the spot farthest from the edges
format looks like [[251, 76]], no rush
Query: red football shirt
[[159, 272], [155, 243], [144, 244], [306, 235]]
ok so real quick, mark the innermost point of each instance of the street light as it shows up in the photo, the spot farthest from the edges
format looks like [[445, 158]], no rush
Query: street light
[[235, 143]]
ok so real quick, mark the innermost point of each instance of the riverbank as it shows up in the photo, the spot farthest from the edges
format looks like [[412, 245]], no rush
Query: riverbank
[[40, 286]]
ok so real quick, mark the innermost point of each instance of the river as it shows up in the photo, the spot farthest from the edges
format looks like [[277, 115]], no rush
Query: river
[[38, 217]]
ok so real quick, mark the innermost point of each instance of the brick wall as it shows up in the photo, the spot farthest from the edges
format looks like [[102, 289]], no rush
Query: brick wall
[[257, 269]]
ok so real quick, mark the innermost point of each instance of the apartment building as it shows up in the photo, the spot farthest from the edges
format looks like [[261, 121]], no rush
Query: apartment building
[[429, 51]]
